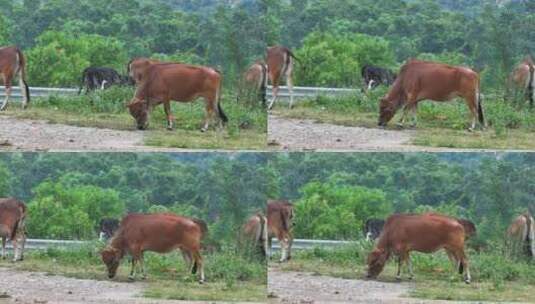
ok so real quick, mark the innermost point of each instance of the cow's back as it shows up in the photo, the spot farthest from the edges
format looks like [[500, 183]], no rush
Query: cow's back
[[158, 232], [8, 56], [179, 82], [420, 232]]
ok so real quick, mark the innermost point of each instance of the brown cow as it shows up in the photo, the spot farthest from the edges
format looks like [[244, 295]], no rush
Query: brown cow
[[162, 83], [521, 235], [161, 233], [423, 233], [255, 81], [280, 61], [254, 232], [12, 64], [280, 216], [522, 79], [420, 80], [12, 226]]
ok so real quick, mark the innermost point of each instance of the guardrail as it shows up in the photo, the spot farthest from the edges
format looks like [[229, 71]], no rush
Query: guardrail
[[299, 93], [38, 244], [300, 244], [16, 94]]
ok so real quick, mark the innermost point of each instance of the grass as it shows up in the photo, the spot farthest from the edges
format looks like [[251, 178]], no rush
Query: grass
[[494, 277], [247, 128], [229, 276], [442, 125]]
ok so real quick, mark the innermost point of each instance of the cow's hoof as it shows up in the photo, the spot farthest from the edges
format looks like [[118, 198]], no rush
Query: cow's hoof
[[203, 130], [467, 282], [201, 281], [410, 278], [471, 130], [131, 279], [398, 278], [169, 128]]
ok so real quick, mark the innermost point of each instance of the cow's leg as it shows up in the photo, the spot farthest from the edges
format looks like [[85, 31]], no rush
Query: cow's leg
[[275, 96], [398, 273], [284, 242], [170, 118], [7, 83], [370, 84], [401, 122], [290, 243], [142, 265], [409, 263], [132, 275], [210, 110], [199, 265], [187, 258], [15, 249], [471, 102], [22, 245], [3, 248]]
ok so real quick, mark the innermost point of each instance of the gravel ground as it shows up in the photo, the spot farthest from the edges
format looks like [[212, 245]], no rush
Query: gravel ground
[[306, 134], [23, 287], [308, 288]]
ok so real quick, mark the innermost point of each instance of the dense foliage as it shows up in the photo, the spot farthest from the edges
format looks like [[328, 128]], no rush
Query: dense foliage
[[488, 35]]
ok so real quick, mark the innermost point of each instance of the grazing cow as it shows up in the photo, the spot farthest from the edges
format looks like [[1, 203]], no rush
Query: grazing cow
[[254, 232], [255, 82], [372, 228], [12, 226], [280, 216], [98, 78], [107, 228], [12, 64], [373, 76], [280, 61], [162, 83], [423, 233], [161, 233], [521, 235], [522, 79], [420, 80]]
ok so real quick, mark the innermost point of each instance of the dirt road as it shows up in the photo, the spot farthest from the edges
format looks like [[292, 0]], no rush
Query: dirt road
[[307, 288], [306, 134], [39, 288], [39, 135]]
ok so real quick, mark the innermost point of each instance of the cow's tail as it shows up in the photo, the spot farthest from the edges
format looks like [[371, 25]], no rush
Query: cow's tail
[[531, 84], [480, 112], [220, 111], [22, 75], [264, 84], [529, 235], [294, 57]]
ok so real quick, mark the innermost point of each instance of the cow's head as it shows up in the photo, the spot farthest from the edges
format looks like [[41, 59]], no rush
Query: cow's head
[[387, 110], [139, 110], [111, 258], [376, 262]]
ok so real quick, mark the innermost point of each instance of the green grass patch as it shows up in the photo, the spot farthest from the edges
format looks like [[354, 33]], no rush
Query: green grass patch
[[494, 277], [229, 276], [247, 128], [439, 124]]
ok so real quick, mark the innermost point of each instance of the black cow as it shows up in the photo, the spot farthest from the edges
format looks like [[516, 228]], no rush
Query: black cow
[[94, 78], [107, 228], [373, 228], [373, 76]]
